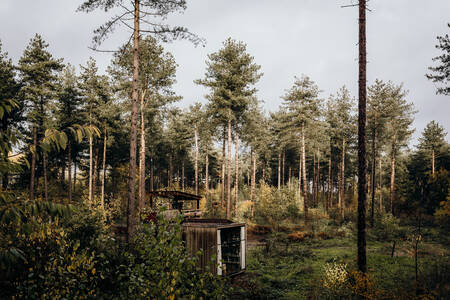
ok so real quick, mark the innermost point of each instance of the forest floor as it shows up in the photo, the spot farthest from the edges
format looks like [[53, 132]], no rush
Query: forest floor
[[292, 265]]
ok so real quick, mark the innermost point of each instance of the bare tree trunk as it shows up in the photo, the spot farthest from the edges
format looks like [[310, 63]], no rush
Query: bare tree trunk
[[141, 201], [196, 160], [300, 175], [69, 167], [279, 170], [314, 179], [317, 179], [392, 186], [305, 202], [229, 168], [432, 161], [151, 174], [361, 258], [252, 193], [95, 173], [283, 171], [374, 169], [74, 176], [44, 162], [223, 171], [90, 170], [380, 188], [342, 188], [182, 174], [170, 171], [206, 174], [131, 211], [33, 164], [329, 184], [236, 184], [103, 169]]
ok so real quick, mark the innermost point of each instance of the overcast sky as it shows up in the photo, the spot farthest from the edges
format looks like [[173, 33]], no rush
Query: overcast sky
[[286, 37]]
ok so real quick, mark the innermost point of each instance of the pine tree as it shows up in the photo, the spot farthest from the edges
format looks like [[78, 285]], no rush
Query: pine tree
[[303, 108], [433, 142], [146, 16], [231, 74], [37, 69], [441, 73]]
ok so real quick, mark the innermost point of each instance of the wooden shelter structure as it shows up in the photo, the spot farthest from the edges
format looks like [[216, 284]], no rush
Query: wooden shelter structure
[[219, 238], [222, 242]]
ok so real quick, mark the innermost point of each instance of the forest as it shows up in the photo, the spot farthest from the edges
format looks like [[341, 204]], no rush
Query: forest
[[81, 149]]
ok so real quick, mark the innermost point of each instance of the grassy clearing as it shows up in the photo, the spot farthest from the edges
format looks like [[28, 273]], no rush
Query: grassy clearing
[[283, 269]]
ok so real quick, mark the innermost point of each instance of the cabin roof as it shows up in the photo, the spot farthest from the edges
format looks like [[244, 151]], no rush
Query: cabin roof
[[177, 195]]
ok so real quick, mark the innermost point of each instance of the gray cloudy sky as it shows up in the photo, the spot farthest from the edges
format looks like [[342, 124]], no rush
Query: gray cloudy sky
[[287, 38]]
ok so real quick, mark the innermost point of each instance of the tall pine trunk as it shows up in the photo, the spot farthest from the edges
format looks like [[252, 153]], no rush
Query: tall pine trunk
[[33, 164], [151, 174], [380, 187], [95, 172], [327, 205], [142, 156], [314, 179], [69, 167], [342, 188], [206, 174], [374, 168], [300, 175], [305, 201], [283, 171], [252, 193], [432, 161], [196, 160], [229, 168], [182, 174], [90, 169], [103, 169], [74, 176], [361, 257], [392, 183], [131, 211], [236, 182], [279, 170], [44, 162], [223, 170]]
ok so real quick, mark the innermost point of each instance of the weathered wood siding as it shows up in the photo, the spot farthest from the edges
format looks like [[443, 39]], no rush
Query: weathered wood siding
[[205, 239]]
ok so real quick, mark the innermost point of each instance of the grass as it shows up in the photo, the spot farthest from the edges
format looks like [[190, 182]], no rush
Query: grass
[[295, 270]]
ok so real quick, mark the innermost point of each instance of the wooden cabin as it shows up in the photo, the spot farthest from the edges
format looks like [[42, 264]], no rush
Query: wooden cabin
[[222, 242]]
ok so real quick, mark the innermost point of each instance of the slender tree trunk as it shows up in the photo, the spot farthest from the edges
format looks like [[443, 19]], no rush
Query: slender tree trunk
[[223, 171], [206, 174], [380, 187], [342, 188], [279, 170], [44, 162], [305, 200], [361, 258], [236, 184], [131, 211], [283, 171], [33, 164], [252, 193], [95, 173], [74, 176], [182, 174], [69, 167], [229, 168], [289, 177], [432, 161], [141, 201], [170, 171], [300, 174], [196, 161], [314, 179], [103, 169], [90, 169], [151, 174], [317, 179], [329, 184], [374, 169], [392, 186]]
